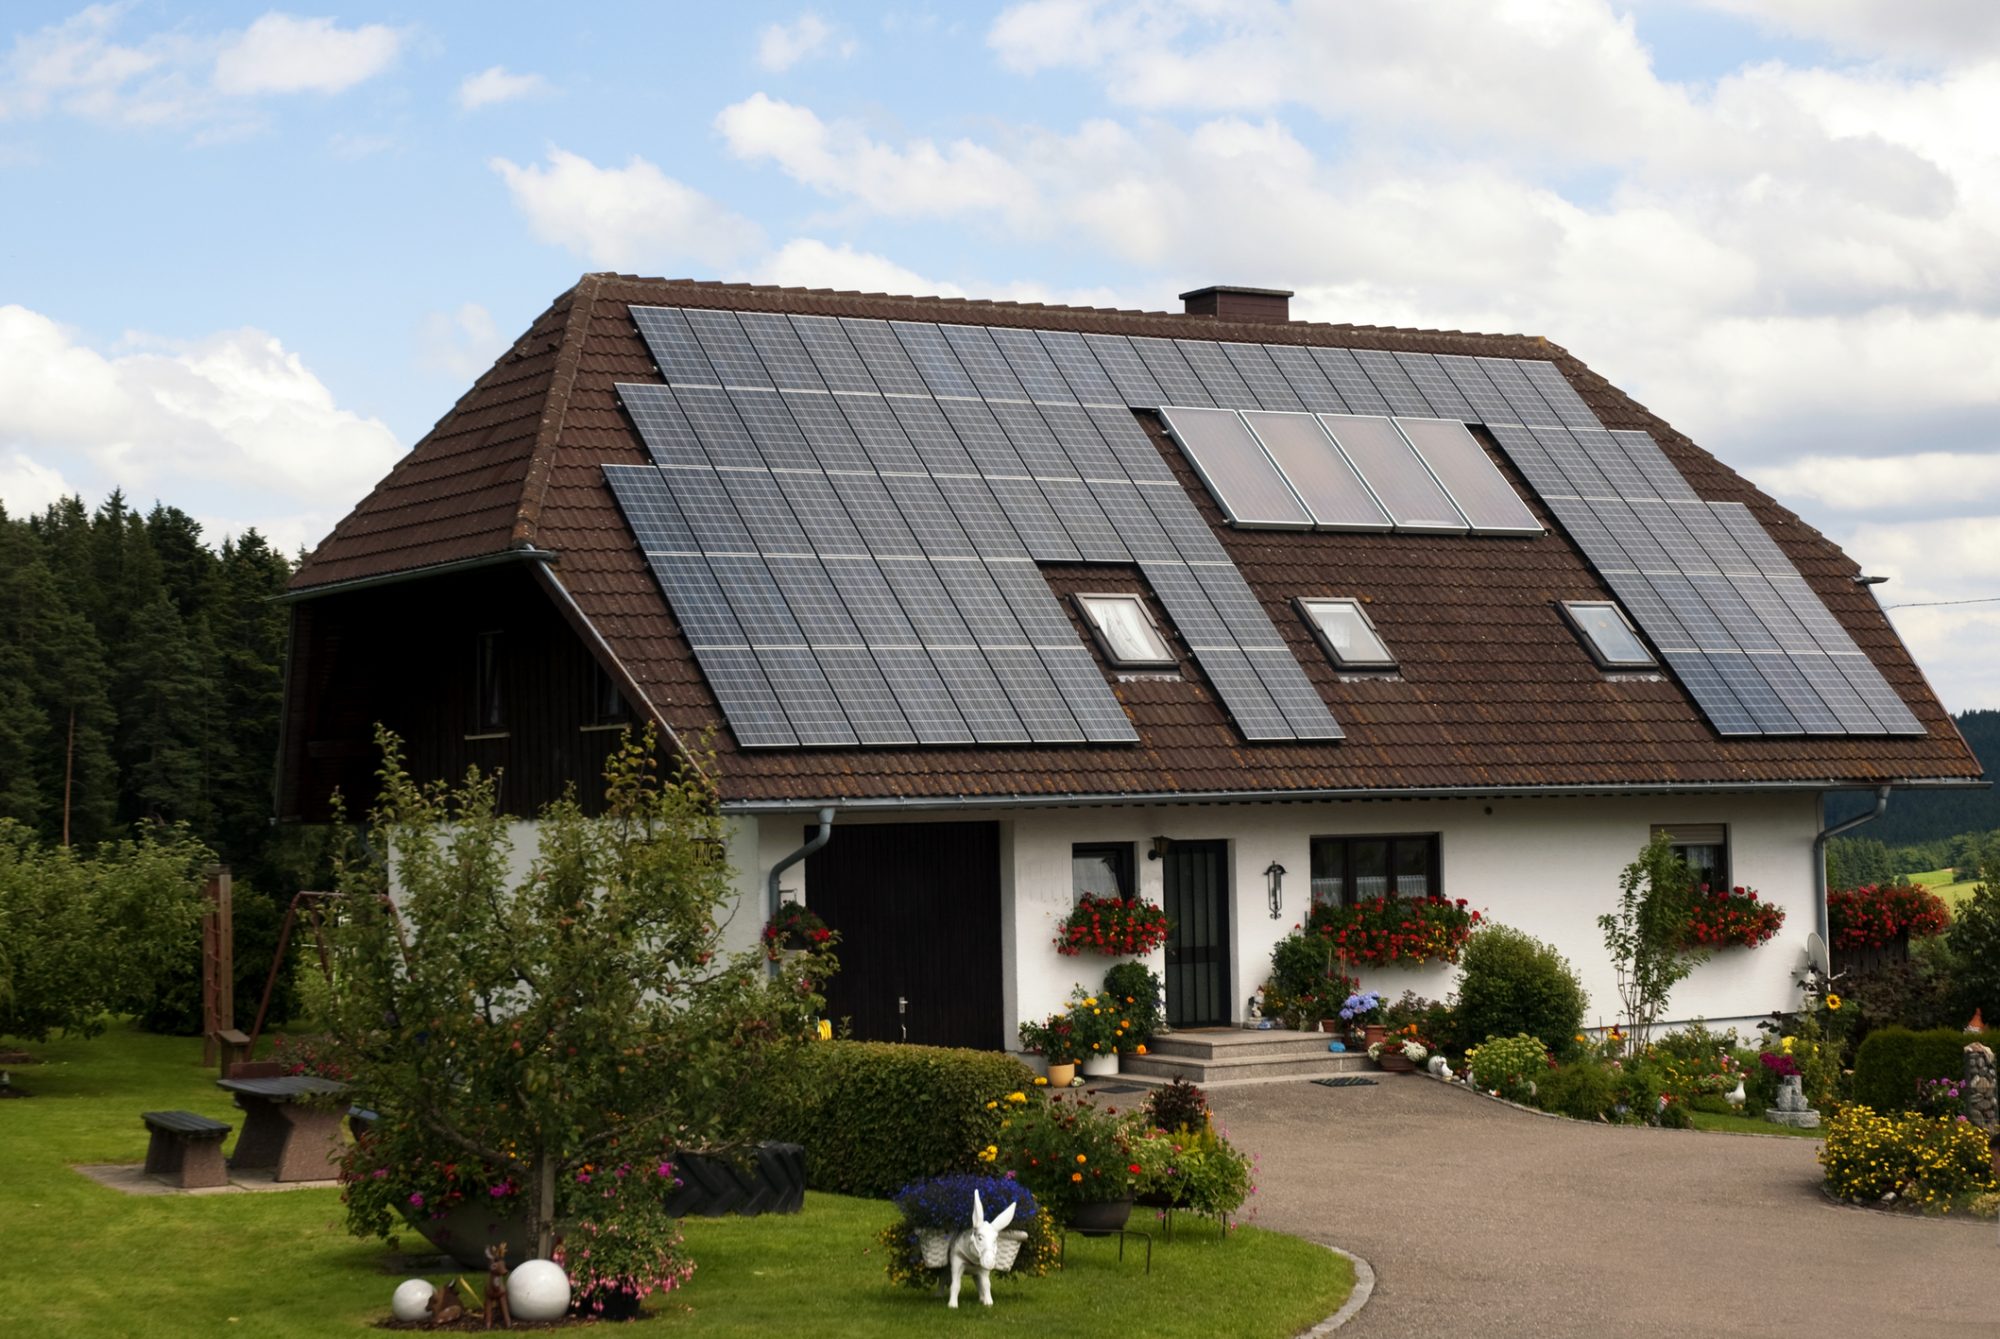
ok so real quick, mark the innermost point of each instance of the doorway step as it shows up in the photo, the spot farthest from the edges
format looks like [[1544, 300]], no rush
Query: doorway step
[[1211, 1056]]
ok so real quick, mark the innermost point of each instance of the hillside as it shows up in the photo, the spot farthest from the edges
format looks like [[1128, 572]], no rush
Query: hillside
[[1924, 816]]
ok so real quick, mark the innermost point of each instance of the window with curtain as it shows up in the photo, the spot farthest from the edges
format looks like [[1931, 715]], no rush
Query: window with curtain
[[1101, 869], [1346, 870]]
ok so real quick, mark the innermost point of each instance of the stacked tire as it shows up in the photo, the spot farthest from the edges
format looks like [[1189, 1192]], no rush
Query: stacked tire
[[771, 1180]]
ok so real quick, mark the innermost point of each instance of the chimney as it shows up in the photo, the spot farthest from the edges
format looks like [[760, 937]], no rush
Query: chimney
[[1227, 302]]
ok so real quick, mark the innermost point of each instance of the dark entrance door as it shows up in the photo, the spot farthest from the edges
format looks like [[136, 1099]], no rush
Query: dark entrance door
[[1196, 898], [918, 910]]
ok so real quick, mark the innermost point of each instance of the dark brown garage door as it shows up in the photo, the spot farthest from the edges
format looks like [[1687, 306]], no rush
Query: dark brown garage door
[[918, 910]]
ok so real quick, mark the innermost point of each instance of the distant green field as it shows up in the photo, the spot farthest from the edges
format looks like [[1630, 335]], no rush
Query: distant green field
[[1940, 882]]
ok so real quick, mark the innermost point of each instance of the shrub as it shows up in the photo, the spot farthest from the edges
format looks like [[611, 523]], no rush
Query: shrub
[[1205, 1173], [1893, 1061], [1515, 983], [1928, 1161], [1507, 1065], [877, 1116], [1975, 945], [1178, 1106], [1917, 992], [1068, 1151], [1307, 983], [1383, 930], [1582, 1091], [1878, 915], [1140, 989], [1731, 918]]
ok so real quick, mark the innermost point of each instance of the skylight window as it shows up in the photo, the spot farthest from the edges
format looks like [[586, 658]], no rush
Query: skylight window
[[1607, 635], [1345, 632], [1125, 632]]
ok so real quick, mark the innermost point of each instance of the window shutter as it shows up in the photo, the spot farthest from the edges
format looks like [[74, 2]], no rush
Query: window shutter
[[1695, 834]]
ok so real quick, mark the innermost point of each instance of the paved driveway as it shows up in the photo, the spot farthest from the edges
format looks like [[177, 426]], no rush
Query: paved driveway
[[1485, 1221]]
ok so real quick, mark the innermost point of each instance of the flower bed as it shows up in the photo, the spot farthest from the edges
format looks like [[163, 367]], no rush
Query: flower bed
[[1731, 918], [1877, 916], [1929, 1162], [1113, 927], [1383, 930]]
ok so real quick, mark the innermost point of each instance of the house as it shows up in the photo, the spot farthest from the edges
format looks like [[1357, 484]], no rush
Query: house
[[986, 604]]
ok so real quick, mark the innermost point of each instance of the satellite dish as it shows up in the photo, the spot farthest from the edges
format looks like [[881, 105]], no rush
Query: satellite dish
[[1816, 954]]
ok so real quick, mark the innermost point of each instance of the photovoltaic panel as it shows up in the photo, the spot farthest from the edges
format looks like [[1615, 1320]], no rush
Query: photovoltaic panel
[[1176, 379], [878, 434], [933, 358], [747, 700], [924, 696], [1609, 460], [1385, 370], [710, 511], [937, 530], [784, 357], [937, 445], [1029, 432], [1034, 696], [765, 512], [1078, 366], [1477, 388], [1077, 677], [729, 350], [1557, 393], [1246, 485], [775, 433], [1243, 693], [1084, 521], [1217, 373], [1653, 466], [980, 696], [1570, 457], [675, 351], [1438, 390], [1032, 367], [1308, 383], [1319, 473], [1128, 372], [1394, 473], [986, 443], [888, 363], [1513, 385], [1039, 532], [833, 354], [820, 512], [1340, 368], [875, 514], [1130, 445], [864, 695], [649, 509], [723, 436], [1253, 363], [670, 439], [1460, 463], [983, 362], [822, 421], [1139, 529], [1077, 438], [1277, 669]]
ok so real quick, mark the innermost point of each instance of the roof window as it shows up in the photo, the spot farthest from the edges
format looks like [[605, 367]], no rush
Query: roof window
[[1346, 633], [1125, 632], [1607, 634]]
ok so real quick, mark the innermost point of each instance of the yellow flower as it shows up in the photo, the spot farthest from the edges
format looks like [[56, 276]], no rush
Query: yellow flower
[[1091, 1000], [826, 1029], [1787, 1044], [991, 1105], [1018, 1097], [1041, 1082], [1833, 1001], [1142, 1048], [1581, 1037]]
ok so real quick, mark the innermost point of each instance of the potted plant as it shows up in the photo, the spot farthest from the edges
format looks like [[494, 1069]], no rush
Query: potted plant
[[1401, 1052], [793, 928], [1076, 1157], [1054, 1040], [622, 1245], [1355, 1013], [939, 1208], [1306, 977], [1139, 990], [1116, 927], [1100, 1028]]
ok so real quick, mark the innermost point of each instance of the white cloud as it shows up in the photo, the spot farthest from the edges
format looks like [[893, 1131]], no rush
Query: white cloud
[[1880, 484], [84, 67], [1936, 571], [232, 426], [27, 486], [497, 84], [462, 343], [805, 262], [281, 53], [780, 46], [1936, 31], [633, 217]]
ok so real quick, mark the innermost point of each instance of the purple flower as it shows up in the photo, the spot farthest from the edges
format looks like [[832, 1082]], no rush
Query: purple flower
[[417, 1199]]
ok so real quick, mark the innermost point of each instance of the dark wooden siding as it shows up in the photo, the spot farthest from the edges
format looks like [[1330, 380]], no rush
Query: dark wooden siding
[[403, 655]]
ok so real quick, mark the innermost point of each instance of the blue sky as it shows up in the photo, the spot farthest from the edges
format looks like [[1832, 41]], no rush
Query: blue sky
[[249, 255]]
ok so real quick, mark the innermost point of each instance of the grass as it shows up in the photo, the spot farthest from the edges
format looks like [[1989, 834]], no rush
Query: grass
[[1712, 1120], [1940, 881], [87, 1261]]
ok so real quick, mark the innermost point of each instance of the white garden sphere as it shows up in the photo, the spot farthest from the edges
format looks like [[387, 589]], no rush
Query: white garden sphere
[[538, 1290], [411, 1300]]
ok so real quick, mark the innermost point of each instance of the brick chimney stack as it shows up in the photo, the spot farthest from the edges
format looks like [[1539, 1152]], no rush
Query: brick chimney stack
[[1228, 302]]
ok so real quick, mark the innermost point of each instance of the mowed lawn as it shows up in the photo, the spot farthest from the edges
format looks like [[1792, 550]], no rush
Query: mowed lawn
[[86, 1261]]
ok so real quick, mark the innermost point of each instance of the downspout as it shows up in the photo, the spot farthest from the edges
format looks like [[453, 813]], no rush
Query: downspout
[[1819, 851], [819, 839]]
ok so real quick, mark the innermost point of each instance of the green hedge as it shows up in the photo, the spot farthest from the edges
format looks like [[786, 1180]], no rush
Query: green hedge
[[1893, 1060], [875, 1116], [1512, 982]]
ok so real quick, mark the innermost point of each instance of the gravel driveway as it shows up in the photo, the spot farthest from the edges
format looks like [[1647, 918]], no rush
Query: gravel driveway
[[1485, 1221]]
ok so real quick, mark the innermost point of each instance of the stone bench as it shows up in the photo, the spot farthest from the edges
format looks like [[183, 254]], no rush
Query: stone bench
[[186, 1149]]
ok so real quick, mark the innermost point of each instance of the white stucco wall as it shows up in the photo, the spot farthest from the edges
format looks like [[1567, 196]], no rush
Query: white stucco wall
[[1546, 866]]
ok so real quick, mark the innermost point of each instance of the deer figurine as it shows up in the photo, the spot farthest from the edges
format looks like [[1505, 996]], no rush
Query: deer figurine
[[978, 1247], [496, 1286]]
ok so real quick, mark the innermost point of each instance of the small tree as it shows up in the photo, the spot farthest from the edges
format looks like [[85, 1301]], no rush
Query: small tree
[[82, 936], [558, 1030], [1646, 935]]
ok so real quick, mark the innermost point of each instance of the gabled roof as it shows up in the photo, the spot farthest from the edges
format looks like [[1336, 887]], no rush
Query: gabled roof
[[1494, 692]]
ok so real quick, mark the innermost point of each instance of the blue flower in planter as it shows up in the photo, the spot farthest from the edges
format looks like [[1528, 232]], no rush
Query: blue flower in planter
[[946, 1201]]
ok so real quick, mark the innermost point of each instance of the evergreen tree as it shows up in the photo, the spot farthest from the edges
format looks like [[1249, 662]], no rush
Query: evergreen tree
[[165, 725]]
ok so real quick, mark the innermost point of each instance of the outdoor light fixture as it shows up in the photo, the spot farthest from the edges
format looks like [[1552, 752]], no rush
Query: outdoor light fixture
[[1274, 888], [1869, 581], [1161, 845]]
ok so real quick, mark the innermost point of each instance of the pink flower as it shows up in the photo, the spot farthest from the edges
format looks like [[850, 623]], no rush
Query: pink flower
[[417, 1199]]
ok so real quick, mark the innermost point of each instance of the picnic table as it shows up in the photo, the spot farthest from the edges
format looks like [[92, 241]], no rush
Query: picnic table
[[297, 1140]]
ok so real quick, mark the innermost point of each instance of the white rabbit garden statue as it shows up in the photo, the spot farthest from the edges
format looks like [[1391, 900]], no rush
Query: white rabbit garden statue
[[978, 1246]]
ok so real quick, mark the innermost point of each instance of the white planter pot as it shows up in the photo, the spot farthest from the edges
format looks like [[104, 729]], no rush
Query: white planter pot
[[936, 1244], [1100, 1066]]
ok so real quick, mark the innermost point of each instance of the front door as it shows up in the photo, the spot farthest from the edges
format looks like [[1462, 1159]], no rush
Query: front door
[[1196, 898], [918, 910]]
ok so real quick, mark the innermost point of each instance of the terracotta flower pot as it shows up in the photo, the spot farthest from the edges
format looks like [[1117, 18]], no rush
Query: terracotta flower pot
[[1374, 1032], [1396, 1062], [1062, 1075], [1330, 1025]]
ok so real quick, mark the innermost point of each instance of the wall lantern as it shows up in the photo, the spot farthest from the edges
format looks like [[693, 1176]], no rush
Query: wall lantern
[[1274, 888], [1161, 845]]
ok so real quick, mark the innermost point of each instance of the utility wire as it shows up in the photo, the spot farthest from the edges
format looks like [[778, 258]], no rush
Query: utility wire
[[1932, 604]]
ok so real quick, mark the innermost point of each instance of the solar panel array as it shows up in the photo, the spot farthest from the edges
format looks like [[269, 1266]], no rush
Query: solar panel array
[[847, 514], [1749, 639]]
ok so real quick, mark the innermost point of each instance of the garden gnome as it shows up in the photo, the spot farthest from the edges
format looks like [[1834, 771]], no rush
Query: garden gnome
[[978, 1246], [496, 1285], [1978, 1023]]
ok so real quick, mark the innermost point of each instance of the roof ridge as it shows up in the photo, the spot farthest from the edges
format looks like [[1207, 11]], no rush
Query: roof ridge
[[555, 407]]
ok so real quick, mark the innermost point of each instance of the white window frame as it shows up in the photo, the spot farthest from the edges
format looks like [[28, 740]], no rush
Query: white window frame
[[1086, 602], [1604, 659], [1308, 606]]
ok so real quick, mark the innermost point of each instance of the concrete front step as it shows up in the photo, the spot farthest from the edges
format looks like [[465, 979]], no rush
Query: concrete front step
[[1240, 1044], [1160, 1068]]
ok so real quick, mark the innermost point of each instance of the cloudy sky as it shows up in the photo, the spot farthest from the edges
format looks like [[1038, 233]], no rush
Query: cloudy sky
[[248, 256]]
